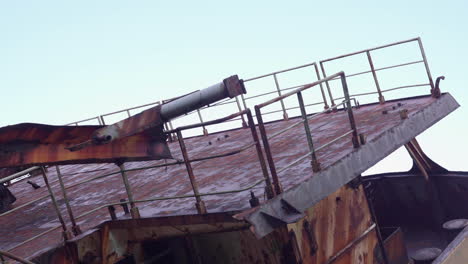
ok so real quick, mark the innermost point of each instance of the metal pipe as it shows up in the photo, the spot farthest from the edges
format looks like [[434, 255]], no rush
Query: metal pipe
[[321, 86], [328, 85], [376, 48], [203, 97], [133, 209], [261, 159], [285, 115], [18, 174], [266, 147], [315, 163], [350, 245], [201, 208], [75, 228], [55, 205], [349, 107], [205, 131], [14, 257], [426, 64], [277, 72], [371, 64], [381, 69], [244, 124]]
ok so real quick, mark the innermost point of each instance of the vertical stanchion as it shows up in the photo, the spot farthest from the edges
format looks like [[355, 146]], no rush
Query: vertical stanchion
[[285, 114], [321, 87], [268, 187], [102, 120], [66, 233], [133, 209], [371, 64], [315, 163], [75, 228], [349, 109], [266, 146], [205, 131], [332, 102], [199, 202], [426, 64], [244, 124]]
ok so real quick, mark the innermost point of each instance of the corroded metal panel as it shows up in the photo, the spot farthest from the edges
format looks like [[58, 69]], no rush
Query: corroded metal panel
[[312, 190], [38, 144], [338, 229]]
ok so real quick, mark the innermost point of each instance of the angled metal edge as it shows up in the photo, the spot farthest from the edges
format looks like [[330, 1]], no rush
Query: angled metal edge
[[311, 191]]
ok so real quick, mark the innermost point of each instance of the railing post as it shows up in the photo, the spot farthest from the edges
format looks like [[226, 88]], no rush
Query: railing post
[[328, 85], [205, 131], [133, 209], [99, 120], [315, 163], [75, 228], [266, 146], [371, 64], [426, 64], [321, 87], [201, 208], [268, 187], [244, 124], [285, 114], [243, 101], [128, 113], [66, 234], [349, 107], [102, 120]]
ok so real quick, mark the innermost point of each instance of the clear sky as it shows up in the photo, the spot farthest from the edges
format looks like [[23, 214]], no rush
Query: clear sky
[[62, 61]]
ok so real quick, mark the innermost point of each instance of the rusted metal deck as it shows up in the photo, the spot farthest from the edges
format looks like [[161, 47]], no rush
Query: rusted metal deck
[[384, 126]]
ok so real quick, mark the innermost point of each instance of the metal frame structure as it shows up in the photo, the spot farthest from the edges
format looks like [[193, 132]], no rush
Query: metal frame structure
[[273, 185]]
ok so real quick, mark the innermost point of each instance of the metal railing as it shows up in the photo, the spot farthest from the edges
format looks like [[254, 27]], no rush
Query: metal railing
[[131, 201], [374, 70], [304, 120]]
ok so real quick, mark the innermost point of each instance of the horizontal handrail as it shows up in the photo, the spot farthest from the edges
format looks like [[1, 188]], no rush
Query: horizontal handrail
[[366, 50], [299, 90], [381, 69], [208, 123], [281, 71], [18, 174]]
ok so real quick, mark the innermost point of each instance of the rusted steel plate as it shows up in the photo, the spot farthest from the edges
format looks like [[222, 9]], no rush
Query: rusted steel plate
[[348, 167], [331, 230], [38, 144], [395, 246]]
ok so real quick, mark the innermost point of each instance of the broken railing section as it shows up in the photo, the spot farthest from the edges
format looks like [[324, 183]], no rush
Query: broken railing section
[[304, 120]]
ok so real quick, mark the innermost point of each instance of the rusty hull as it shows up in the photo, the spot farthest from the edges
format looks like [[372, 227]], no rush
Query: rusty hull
[[37, 144], [334, 230]]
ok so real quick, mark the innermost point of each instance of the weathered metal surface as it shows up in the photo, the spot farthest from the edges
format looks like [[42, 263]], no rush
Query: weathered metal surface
[[395, 246], [37, 144], [229, 173], [456, 252], [356, 162], [338, 229], [6, 198]]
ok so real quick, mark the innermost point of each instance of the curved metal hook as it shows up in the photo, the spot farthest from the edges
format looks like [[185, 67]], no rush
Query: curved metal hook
[[436, 91]]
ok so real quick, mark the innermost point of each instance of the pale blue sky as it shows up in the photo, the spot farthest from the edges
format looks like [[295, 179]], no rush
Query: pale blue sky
[[62, 61]]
